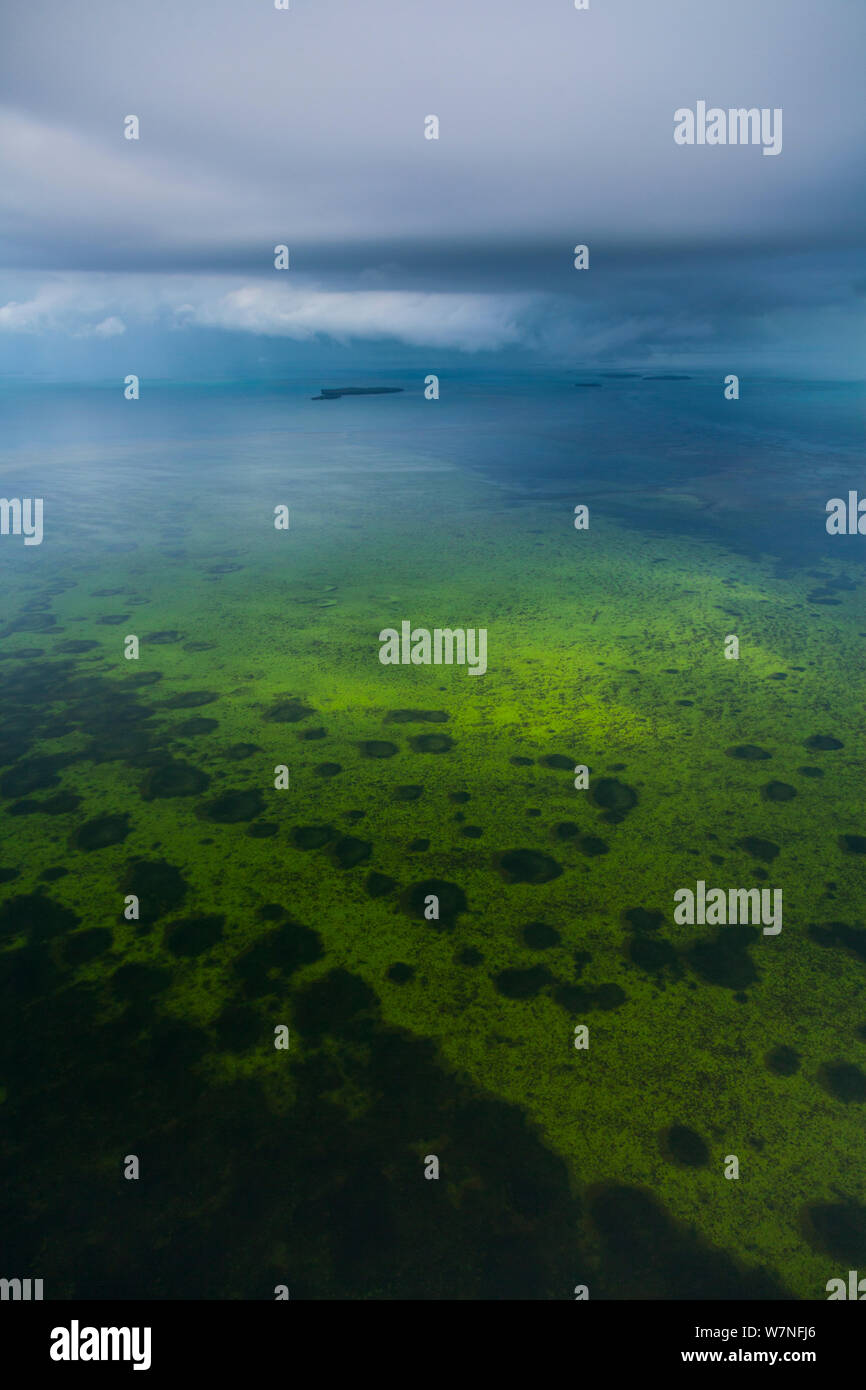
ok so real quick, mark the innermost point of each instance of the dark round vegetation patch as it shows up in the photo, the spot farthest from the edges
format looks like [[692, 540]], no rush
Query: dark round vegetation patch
[[539, 936], [264, 966], [9, 875], [528, 866], [459, 798], [518, 761], [193, 936], [289, 712], [823, 743], [748, 753], [113, 619], [84, 946], [262, 830], [840, 934], [101, 832], [378, 748], [40, 917], [608, 996], [758, 848], [328, 769], [811, 771], [783, 1060], [593, 846], [400, 973], [432, 743], [234, 806], [408, 793], [417, 716], [452, 900], [144, 678], [844, 1081], [651, 953], [725, 961], [419, 845], [685, 1146], [163, 639], [853, 844], [379, 885], [75, 646], [191, 699], [33, 622], [30, 775], [174, 778], [313, 836], [573, 998], [50, 875], [239, 751], [472, 832], [158, 885], [23, 654], [272, 912], [469, 956], [558, 761], [128, 745], [349, 851], [522, 984], [97, 716], [191, 728], [778, 791], [616, 798], [566, 830], [644, 918], [311, 735], [332, 1005]]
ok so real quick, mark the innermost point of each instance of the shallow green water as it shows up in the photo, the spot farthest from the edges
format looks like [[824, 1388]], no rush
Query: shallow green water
[[262, 907]]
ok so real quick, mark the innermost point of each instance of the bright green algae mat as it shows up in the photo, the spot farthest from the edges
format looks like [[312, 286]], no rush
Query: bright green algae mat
[[409, 1037]]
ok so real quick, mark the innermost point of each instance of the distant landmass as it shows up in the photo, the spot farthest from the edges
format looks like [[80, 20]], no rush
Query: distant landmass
[[333, 394], [587, 383], [668, 376]]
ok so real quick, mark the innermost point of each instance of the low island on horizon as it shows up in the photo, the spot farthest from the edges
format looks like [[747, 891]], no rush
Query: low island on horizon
[[334, 393]]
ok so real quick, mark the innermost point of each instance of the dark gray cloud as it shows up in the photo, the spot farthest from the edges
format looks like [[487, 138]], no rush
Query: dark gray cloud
[[305, 127]]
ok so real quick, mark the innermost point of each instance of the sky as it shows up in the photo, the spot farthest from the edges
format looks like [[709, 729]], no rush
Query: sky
[[262, 127]]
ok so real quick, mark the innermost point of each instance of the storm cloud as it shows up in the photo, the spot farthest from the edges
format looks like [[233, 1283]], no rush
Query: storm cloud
[[305, 127]]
